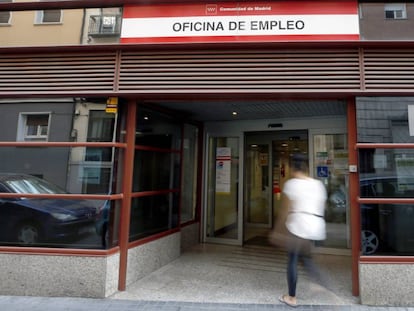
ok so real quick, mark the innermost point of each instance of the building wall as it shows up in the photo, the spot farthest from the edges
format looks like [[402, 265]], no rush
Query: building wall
[[385, 284], [190, 236], [146, 258], [374, 26], [23, 31], [66, 276], [101, 37]]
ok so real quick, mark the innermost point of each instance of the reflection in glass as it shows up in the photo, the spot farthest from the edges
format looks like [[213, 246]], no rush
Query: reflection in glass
[[155, 129], [223, 176], [80, 26], [387, 229], [384, 119], [153, 214], [189, 175], [50, 222], [386, 174], [156, 171]]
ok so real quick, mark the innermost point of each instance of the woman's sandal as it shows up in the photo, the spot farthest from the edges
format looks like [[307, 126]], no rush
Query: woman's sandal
[[283, 300]]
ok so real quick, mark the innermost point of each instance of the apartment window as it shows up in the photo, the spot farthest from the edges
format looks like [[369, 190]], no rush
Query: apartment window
[[100, 129], [5, 16], [33, 127], [48, 17], [395, 11]]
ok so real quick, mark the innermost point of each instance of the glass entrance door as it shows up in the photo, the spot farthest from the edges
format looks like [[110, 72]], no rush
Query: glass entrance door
[[267, 167], [223, 223], [257, 188]]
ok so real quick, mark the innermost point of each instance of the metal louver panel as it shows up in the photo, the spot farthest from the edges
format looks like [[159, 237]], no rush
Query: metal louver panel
[[240, 71], [57, 73], [389, 69]]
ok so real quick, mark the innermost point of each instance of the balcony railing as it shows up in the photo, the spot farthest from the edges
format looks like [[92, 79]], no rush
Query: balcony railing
[[104, 25]]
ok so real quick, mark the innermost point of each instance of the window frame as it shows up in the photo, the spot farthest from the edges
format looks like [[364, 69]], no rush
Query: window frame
[[395, 8], [22, 127], [6, 12], [40, 15]]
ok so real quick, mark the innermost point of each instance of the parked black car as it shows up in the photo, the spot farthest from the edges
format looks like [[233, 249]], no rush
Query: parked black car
[[39, 221], [387, 227]]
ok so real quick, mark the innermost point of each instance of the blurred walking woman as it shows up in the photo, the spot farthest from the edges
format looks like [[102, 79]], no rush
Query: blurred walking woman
[[304, 199]]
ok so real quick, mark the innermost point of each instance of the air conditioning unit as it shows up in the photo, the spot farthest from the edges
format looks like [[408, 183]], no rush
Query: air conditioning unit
[[108, 21]]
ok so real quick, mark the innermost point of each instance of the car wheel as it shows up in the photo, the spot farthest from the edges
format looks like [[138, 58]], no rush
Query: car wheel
[[370, 242], [28, 234]]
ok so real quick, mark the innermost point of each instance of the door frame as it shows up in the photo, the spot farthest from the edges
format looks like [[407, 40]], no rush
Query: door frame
[[240, 227]]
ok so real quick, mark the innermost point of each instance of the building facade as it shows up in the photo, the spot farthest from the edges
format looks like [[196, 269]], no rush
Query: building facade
[[183, 135]]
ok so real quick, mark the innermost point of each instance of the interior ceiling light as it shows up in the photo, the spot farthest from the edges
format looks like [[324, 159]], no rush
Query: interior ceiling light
[[234, 113]]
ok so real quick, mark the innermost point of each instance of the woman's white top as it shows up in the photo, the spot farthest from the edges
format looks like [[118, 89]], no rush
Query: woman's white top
[[307, 209]]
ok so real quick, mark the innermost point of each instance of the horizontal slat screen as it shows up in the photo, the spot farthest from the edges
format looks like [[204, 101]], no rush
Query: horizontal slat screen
[[57, 73], [241, 71], [389, 69], [300, 70]]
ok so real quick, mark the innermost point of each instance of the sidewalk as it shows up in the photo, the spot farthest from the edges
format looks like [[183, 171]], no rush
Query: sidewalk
[[9, 303], [218, 278]]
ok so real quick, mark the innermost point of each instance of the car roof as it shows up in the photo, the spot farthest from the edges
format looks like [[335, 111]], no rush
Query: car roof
[[14, 176]]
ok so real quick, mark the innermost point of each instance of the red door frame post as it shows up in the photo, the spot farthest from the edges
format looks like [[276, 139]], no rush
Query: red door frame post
[[353, 195], [127, 193]]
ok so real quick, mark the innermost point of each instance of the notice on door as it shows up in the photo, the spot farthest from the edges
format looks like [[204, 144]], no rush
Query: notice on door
[[223, 170]]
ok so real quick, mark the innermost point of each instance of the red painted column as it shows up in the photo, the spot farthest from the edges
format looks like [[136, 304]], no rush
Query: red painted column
[[353, 195], [128, 167]]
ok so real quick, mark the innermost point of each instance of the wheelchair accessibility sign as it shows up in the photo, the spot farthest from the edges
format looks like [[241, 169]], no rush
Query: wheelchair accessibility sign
[[322, 171]]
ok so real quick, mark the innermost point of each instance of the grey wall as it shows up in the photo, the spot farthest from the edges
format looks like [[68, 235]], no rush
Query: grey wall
[[374, 26], [51, 163]]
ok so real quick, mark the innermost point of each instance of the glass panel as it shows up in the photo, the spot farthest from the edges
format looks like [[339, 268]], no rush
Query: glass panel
[[153, 214], [331, 167], [385, 119], [157, 167], [100, 129], [83, 26], [49, 222], [286, 144], [155, 129], [257, 199], [51, 16], [156, 171], [386, 173], [189, 177], [77, 170], [387, 229], [223, 176]]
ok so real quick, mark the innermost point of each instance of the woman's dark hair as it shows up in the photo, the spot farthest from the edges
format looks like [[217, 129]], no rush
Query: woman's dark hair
[[300, 162]]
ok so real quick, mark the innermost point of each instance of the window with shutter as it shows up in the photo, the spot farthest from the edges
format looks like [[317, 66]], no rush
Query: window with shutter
[[5, 16], [49, 17]]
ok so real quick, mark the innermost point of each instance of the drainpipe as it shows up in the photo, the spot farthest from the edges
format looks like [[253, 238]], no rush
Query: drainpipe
[[83, 27], [127, 191]]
